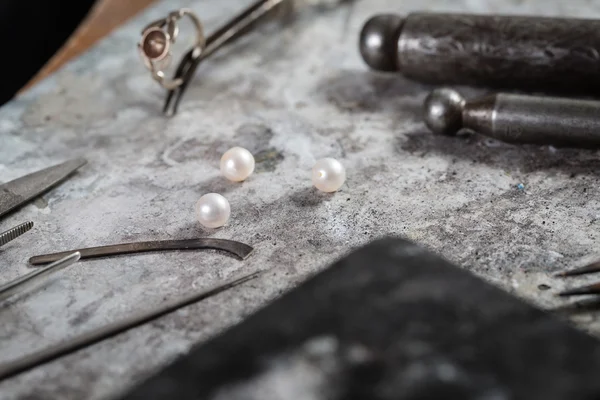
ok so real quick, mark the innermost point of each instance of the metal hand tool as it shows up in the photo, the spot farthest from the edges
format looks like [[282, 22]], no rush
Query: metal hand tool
[[21, 190], [518, 119], [257, 12], [23, 282], [87, 339], [238, 249], [554, 55], [585, 290], [227, 33], [15, 232]]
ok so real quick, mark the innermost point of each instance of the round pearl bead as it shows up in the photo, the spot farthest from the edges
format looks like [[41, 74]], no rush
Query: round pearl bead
[[328, 175], [213, 210], [237, 164]]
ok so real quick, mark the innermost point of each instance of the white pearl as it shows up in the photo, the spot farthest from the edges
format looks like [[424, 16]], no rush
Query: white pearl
[[328, 175], [237, 164], [213, 210]]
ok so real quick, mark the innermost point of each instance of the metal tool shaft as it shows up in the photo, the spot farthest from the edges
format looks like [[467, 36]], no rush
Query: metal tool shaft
[[519, 119], [535, 120], [554, 55], [34, 277], [87, 339], [227, 33], [238, 25], [256, 13], [239, 249]]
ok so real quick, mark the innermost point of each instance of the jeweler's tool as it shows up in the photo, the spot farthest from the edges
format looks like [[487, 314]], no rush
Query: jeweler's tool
[[15, 193], [553, 55], [584, 290], [588, 269], [227, 33], [519, 119], [156, 39], [34, 277], [238, 249], [87, 339]]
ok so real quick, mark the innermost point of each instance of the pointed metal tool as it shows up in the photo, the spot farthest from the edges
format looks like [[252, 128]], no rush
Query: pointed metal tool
[[21, 190], [73, 344], [239, 249], [582, 291], [588, 269], [14, 233], [23, 282]]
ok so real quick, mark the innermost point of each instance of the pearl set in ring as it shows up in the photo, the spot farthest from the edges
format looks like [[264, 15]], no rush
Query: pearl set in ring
[[237, 164]]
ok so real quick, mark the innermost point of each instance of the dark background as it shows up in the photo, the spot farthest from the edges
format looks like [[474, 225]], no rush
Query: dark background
[[32, 32]]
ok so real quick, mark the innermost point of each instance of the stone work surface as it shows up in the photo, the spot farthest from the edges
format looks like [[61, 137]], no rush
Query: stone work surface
[[290, 94], [391, 321]]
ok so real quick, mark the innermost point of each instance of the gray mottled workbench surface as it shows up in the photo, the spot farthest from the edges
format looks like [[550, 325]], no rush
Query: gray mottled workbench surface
[[291, 96]]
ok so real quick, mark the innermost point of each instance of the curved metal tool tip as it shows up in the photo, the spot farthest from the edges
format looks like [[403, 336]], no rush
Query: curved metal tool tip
[[238, 249]]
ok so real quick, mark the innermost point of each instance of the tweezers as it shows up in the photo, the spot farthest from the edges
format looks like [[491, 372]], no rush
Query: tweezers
[[238, 249], [41, 357], [231, 30]]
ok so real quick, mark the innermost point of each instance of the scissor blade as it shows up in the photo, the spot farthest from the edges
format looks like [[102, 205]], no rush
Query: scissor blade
[[19, 191]]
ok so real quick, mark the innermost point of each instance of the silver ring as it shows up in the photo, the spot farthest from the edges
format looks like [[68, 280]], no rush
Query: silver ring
[[155, 45]]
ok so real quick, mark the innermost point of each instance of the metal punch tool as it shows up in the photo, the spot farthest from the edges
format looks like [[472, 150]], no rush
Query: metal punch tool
[[517, 119], [158, 36]]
